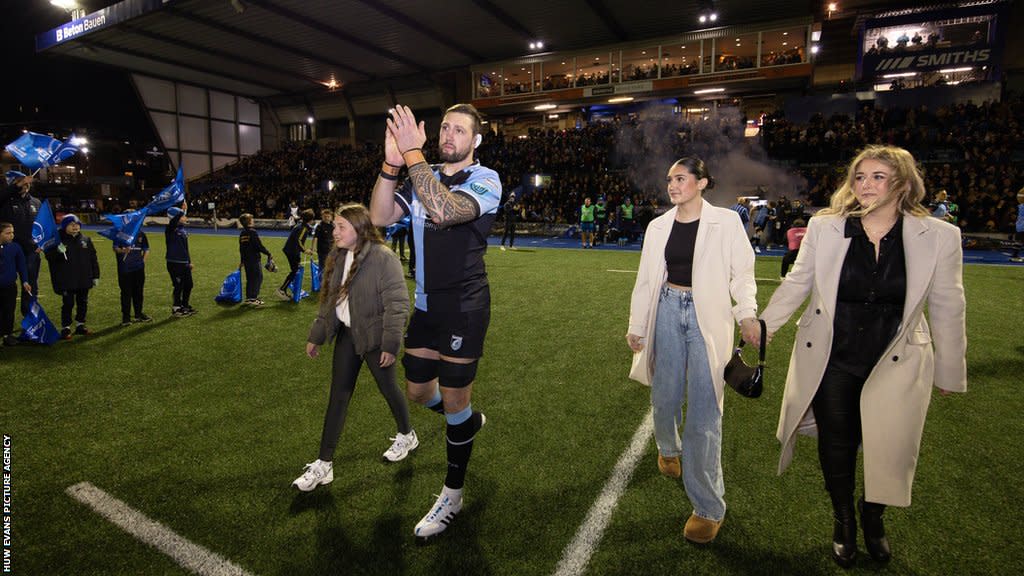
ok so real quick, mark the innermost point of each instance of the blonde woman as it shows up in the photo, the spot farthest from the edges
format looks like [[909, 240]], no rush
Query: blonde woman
[[864, 359]]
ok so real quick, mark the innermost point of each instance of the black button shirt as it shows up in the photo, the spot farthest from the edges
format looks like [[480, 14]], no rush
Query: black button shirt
[[869, 303]]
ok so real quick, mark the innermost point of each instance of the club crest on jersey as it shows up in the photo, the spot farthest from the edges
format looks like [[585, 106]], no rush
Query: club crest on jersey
[[456, 342]]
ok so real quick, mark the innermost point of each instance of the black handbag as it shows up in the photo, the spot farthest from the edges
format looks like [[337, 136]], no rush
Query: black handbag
[[747, 380]]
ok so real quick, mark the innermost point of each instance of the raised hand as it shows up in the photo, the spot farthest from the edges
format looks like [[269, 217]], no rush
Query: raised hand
[[402, 125]]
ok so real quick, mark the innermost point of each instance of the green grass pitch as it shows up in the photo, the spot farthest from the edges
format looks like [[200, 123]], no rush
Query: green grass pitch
[[202, 423]]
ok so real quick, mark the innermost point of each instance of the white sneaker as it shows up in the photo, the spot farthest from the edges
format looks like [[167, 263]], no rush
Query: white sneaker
[[317, 473], [282, 295], [403, 444], [448, 504]]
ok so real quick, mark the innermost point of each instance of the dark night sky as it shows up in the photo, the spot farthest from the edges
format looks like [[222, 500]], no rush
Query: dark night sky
[[42, 92]]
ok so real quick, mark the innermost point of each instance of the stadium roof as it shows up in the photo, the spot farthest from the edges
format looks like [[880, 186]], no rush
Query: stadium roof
[[268, 48]]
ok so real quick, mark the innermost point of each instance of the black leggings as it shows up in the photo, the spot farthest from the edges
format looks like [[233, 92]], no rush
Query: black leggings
[[837, 411], [294, 260], [344, 373]]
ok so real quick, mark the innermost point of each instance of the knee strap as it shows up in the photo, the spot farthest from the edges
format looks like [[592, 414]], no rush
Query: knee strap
[[452, 375], [419, 370]]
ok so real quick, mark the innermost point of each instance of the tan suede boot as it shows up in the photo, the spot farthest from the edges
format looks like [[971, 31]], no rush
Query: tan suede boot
[[701, 530], [670, 466]]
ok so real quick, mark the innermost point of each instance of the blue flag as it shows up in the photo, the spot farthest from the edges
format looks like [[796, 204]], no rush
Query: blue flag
[[36, 326], [297, 292], [13, 175], [44, 229], [125, 227], [172, 195], [39, 150], [231, 289], [314, 276]]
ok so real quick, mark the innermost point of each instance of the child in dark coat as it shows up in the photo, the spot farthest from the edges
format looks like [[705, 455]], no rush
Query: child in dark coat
[[12, 267], [74, 270]]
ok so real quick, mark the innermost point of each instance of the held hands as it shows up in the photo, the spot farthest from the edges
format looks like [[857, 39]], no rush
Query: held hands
[[386, 359], [635, 342], [402, 125], [27, 287], [750, 331], [312, 350]]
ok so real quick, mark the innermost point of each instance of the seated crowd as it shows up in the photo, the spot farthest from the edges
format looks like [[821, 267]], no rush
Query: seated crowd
[[970, 151]]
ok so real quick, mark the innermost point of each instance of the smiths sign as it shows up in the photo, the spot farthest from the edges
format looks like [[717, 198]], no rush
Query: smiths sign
[[116, 14], [888, 63]]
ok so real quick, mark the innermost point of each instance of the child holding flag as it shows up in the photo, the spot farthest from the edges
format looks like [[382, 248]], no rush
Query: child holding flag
[[12, 266], [131, 278], [294, 248], [74, 270], [179, 263]]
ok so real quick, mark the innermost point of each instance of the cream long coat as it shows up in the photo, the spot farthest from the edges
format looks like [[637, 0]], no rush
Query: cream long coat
[[723, 271], [895, 398]]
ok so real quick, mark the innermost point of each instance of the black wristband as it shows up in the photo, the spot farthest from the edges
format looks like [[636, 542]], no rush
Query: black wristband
[[392, 165], [387, 176]]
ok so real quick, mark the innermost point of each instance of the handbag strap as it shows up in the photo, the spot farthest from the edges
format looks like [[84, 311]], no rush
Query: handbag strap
[[764, 343]]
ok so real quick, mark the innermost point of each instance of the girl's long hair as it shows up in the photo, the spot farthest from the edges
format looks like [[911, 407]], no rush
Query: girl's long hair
[[906, 187], [366, 233]]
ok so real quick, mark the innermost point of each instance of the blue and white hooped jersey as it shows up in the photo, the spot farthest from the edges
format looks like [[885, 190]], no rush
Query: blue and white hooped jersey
[[451, 260]]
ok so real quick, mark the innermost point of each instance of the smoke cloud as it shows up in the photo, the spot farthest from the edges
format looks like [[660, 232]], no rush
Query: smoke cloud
[[738, 164]]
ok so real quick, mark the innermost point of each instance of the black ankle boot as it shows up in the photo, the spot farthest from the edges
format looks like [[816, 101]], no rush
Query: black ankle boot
[[874, 530], [844, 534], [844, 541]]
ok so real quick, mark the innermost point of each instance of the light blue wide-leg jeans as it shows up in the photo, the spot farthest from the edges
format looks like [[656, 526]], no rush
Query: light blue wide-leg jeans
[[680, 357]]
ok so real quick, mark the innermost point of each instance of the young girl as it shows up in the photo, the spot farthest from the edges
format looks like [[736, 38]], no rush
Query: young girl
[[364, 304]]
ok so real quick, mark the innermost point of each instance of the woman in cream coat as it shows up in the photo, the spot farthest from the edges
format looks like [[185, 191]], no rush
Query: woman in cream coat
[[681, 327], [880, 401]]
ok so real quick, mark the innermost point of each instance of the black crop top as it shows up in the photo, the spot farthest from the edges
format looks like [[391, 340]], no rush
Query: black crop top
[[679, 252]]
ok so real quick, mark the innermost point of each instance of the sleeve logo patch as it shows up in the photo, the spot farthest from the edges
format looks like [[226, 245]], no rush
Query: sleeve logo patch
[[479, 188]]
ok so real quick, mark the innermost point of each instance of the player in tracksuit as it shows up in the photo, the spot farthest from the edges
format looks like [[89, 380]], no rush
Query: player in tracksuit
[[249, 249], [453, 206]]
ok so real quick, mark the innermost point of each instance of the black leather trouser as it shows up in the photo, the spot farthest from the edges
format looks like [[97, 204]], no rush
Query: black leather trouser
[[837, 411]]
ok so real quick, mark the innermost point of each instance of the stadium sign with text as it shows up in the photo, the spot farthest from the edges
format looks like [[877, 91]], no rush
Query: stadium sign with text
[[109, 16], [879, 64]]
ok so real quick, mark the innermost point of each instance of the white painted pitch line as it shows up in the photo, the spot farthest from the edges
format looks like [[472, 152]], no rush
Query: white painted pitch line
[[577, 554], [623, 271], [189, 556]]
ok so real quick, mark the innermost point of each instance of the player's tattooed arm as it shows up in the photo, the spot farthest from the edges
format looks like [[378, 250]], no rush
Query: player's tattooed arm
[[446, 208]]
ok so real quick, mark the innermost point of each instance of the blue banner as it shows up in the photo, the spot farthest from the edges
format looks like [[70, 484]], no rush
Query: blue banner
[[171, 196], [36, 326], [39, 150], [231, 289], [297, 292], [44, 229], [314, 276], [125, 227]]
